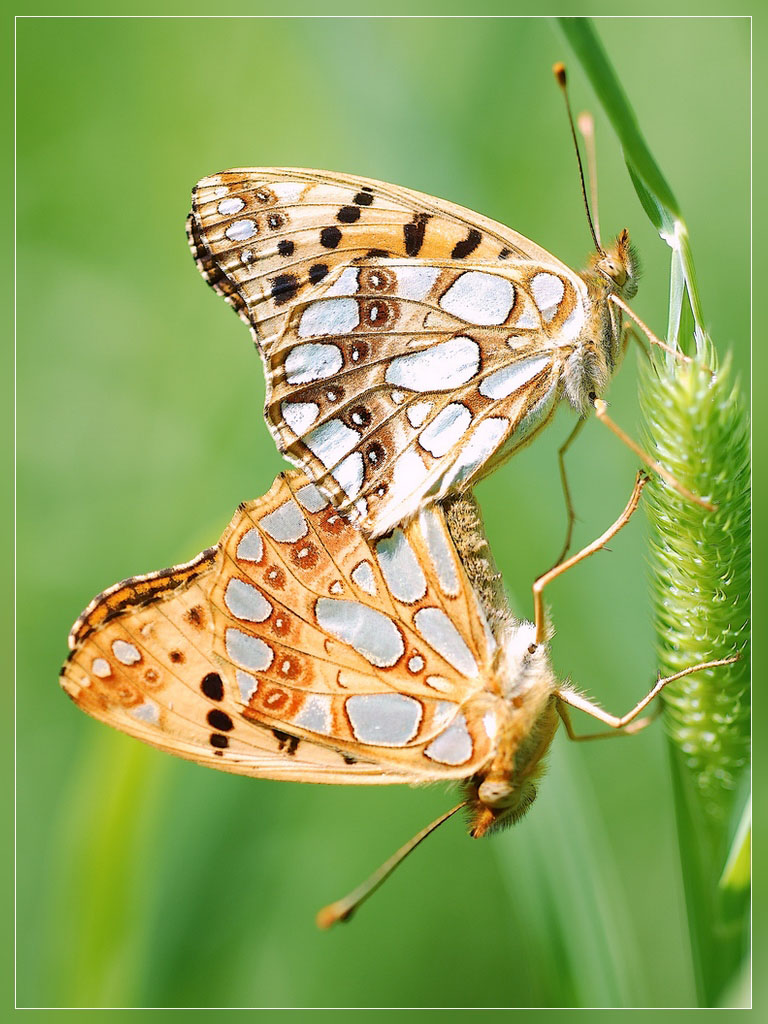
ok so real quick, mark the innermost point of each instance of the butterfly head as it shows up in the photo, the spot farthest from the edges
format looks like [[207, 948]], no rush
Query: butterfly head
[[619, 265]]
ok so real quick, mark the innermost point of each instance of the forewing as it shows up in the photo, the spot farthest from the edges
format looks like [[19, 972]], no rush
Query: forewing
[[264, 237], [294, 649]]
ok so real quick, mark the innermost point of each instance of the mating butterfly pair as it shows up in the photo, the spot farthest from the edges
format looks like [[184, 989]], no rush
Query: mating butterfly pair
[[347, 628]]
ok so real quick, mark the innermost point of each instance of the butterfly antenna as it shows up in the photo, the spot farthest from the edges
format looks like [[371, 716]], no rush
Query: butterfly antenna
[[559, 72], [342, 910], [586, 124]]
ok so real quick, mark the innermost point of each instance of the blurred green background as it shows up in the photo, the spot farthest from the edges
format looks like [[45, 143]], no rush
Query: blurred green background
[[143, 880]]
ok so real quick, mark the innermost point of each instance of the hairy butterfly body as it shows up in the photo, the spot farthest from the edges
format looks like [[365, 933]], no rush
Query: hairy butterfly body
[[409, 344]]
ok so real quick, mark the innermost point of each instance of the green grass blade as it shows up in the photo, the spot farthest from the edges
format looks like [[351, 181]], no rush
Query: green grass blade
[[650, 184], [737, 872], [653, 190], [700, 574], [697, 428]]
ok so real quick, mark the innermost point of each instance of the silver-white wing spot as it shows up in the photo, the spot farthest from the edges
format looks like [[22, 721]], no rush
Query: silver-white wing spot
[[315, 715], [306, 363], [539, 412], [408, 474], [439, 683], [363, 576], [491, 725], [370, 633], [441, 634], [329, 316], [479, 298], [248, 651], [440, 551], [510, 378], [385, 719], [445, 429], [400, 568], [126, 654], [100, 667], [490, 639], [483, 440], [548, 291], [571, 327], [440, 367], [229, 207], [147, 712], [286, 524], [311, 498], [246, 684], [347, 283], [251, 547], [246, 602], [241, 230], [300, 415], [528, 320], [454, 746], [331, 441], [417, 413], [288, 191], [415, 282], [349, 474]]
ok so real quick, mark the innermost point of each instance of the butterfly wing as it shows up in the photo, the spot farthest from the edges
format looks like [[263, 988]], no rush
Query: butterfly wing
[[296, 650], [263, 237], [409, 344], [399, 381]]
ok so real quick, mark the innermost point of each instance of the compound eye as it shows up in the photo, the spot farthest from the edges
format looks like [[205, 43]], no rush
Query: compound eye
[[616, 272], [532, 648], [613, 270]]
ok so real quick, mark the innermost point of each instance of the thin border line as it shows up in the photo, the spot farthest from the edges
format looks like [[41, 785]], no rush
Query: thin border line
[[18, 17]]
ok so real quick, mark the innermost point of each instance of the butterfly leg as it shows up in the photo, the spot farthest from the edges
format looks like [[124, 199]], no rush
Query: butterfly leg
[[630, 334], [628, 730], [566, 490], [629, 723], [654, 340], [590, 549], [602, 415]]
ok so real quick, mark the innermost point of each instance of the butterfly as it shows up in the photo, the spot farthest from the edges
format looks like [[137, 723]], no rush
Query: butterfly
[[298, 649], [409, 344]]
